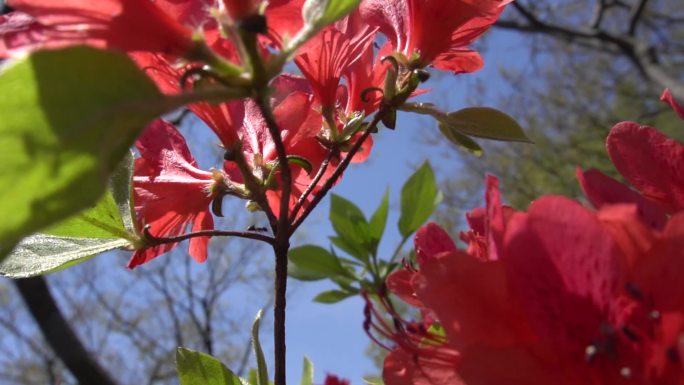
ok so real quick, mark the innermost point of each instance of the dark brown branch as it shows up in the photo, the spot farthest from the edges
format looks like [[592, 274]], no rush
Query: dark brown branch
[[644, 59], [154, 240], [635, 17], [59, 334]]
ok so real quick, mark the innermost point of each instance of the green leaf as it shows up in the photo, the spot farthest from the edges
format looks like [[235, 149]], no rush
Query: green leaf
[[75, 240], [373, 380], [348, 221], [121, 186], [319, 13], [462, 141], [332, 296], [357, 251], [301, 162], [40, 254], [111, 217], [307, 372], [68, 117], [262, 370], [379, 220], [419, 198], [311, 263], [195, 368], [486, 122]]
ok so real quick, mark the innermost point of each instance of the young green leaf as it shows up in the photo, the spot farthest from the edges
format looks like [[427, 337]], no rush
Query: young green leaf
[[76, 239], [486, 122], [40, 254], [355, 250], [311, 263], [332, 296], [68, 118], [419, 198], [262, 369], [195, 368], [373, 380], [379, 220], [111, 217], [319, 13], [462, 141], [349, 222], [307, 372]]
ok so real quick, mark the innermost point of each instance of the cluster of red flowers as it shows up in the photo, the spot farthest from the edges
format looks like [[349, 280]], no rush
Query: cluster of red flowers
[[168, 37], [559, 294]]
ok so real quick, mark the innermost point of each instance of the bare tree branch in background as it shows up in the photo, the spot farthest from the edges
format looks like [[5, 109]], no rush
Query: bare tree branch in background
[[639, 38], [59, 334]]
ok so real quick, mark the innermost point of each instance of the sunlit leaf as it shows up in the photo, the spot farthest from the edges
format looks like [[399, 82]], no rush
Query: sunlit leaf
[[332, 296], [40, 254], [111, 217], [355, 250], [68, 117], [379, 220], [76, 239], [195, 368], [262, 369], [419, 198], [307, 372], [310, 263], [319, 13]]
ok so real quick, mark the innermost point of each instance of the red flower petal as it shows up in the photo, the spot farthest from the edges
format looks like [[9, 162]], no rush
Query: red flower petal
[[430, 241], [669, 99], [650, 161], [601, 190], [128, 25], [170, 191], [566, 269]]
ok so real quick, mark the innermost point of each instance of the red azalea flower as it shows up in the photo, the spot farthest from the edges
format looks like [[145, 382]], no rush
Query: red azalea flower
[[326, 57], [299, 125], [331, 379], [439, 30], [487, 224], [575, 297], [650, 161], [601, 190], [128, 25], [171, 193], [669, 99]]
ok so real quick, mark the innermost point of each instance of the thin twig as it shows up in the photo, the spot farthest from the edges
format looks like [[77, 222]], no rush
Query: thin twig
[[155, 241], [338, 171], [635, 17], [312, 185]]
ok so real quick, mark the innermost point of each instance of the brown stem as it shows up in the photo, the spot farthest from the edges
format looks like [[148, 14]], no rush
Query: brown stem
[[59, 333], [279, 312], [282, 239]]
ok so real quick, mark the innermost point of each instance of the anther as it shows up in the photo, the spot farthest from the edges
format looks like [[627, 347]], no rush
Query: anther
[[626, 372], [654, 315], [590, 352]]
